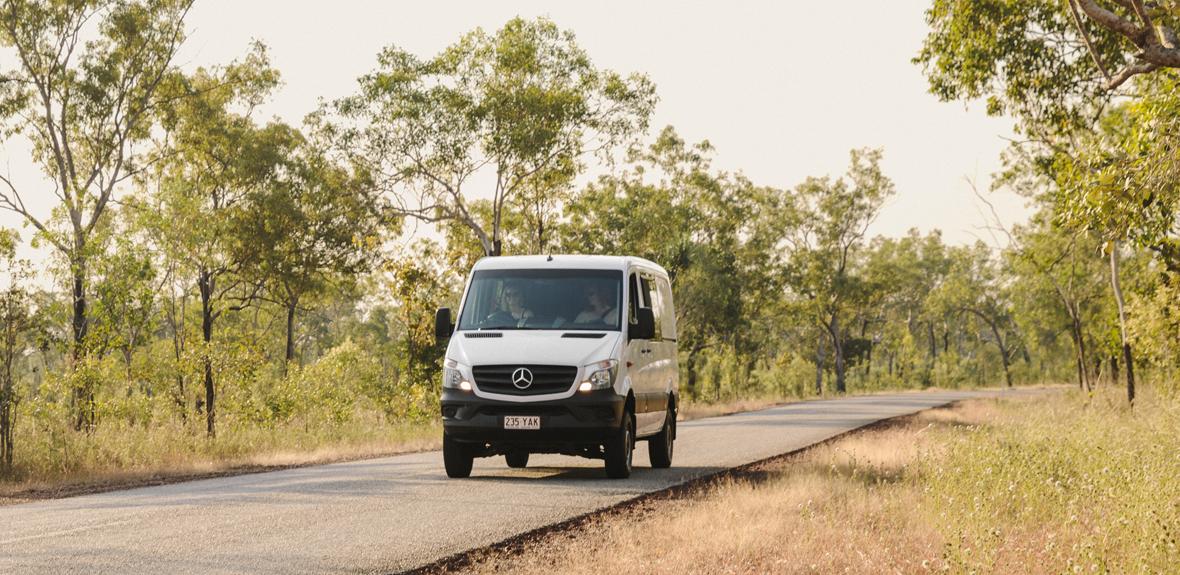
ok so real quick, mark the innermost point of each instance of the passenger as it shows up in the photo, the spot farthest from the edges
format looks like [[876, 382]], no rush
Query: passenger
[[598, 308], [513, 311]]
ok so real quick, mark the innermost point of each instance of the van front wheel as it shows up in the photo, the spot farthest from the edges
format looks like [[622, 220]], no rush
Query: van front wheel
[[618, 449], [659, 447], [457, 458]]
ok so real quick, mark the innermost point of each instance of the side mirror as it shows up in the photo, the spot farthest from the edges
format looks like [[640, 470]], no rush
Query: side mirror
[[443, 328], [645, 324]]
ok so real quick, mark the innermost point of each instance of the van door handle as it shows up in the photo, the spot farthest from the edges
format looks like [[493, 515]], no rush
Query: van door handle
[[645, 351]]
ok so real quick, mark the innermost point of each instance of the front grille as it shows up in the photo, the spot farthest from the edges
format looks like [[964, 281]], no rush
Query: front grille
[[546, 378]]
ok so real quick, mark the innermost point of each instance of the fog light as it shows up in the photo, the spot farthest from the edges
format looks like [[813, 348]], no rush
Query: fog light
[[586, 386], [465, 385]]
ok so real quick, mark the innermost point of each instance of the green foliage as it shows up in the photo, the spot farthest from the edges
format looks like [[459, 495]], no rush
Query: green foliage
[[525, 104], [828, 222], [1155, 327], [243, 235], [83, 90], [1090, 85], [1025, 57], [710, 230], [16, 323], [420, 285], [1121, 182]]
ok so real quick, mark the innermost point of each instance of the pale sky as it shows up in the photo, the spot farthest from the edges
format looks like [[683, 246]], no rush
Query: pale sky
[[781, 89]]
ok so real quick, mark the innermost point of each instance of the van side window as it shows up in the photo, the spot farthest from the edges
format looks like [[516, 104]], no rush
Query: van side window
[[666, 304], [633, 301], [652, 300]]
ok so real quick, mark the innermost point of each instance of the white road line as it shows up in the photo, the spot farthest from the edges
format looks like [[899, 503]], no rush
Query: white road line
[[64, 532]]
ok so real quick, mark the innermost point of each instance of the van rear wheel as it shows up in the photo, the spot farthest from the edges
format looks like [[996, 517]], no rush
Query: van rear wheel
[[517, 459], [457, 458], [659, 447], [618, 449]]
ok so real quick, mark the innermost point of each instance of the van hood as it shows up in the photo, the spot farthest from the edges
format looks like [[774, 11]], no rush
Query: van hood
[[546, 347]]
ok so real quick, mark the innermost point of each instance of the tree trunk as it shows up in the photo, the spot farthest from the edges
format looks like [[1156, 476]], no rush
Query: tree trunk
[[838, 349], [6, 420], [83, 395], [1082, 356], [205, 284], [7, 395], [291, 305], [933, 344], [1003, 354], [869, 359], [819, 365], [1079, 341], [1118, 297]]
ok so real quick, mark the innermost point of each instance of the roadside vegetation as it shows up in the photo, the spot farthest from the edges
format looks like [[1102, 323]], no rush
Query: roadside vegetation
[[215, 287], [985, 486]]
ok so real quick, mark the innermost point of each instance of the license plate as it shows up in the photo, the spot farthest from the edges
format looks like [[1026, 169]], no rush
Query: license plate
[[522, 422]]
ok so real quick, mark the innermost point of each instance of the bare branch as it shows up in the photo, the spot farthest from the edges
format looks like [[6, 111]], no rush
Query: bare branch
[[1111, 21], [1128, 72], [1077, 20]]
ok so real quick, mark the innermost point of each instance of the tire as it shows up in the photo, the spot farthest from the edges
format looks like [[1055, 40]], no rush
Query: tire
[[659, 447], [457, 458], [618, 449], [517, 459]]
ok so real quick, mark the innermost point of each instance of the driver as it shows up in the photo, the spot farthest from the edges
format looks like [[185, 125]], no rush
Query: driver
[[598, 308], [512, 309]]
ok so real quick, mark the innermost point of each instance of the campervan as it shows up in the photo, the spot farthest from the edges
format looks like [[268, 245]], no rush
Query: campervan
[[566, 354]]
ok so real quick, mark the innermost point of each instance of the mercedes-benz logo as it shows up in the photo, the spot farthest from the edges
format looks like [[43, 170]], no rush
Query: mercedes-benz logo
[[522, 378]]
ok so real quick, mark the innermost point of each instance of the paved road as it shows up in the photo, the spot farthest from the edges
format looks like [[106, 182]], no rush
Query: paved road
[[390, 514]]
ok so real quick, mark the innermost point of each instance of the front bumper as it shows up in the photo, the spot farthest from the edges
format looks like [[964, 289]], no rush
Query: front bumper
[[567, 425]]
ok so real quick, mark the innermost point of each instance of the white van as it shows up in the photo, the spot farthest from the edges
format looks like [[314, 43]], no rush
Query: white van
[[560, 354]]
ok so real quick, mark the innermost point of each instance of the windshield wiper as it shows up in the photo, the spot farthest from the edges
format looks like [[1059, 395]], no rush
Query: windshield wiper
[[516, 327]]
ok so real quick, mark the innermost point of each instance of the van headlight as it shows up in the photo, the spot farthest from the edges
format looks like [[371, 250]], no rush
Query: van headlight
[[453, 377], [600, 375]]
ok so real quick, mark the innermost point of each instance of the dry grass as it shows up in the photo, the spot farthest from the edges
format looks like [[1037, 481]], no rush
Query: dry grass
[[155, 465], [933, 492]]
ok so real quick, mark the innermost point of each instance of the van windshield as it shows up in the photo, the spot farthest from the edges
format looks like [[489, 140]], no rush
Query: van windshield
[[543, 299]]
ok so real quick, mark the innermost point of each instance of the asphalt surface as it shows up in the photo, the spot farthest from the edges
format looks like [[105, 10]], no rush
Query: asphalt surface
[[395, 513]]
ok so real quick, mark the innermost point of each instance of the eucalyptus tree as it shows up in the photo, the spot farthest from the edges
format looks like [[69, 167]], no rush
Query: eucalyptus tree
[[1120, 183], [316, 229], [125, 303], [16, 318], [828, 222], [1091, 83], [200, 198], [974, 285], [669, 205], [1053, 263], [511, 107], [84, 89], [1052, 64]]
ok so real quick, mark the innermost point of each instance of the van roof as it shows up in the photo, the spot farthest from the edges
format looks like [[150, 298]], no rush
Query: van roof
[[564, 262]]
